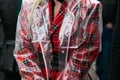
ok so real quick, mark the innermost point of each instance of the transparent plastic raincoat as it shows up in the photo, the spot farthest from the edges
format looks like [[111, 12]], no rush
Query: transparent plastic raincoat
[[79, 38]]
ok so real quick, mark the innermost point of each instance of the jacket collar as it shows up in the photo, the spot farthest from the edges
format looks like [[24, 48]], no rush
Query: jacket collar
[[71, 4], [57, 21]]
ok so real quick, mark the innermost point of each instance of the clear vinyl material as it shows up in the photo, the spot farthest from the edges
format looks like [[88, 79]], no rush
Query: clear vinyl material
[[79, 38]]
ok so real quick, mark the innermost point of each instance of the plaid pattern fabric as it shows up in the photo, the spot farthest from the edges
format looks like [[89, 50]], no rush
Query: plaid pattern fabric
[[55, 24], [87, 52], [79, 34]]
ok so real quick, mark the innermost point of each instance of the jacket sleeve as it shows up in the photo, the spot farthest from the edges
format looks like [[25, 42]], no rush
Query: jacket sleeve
[[86, 54], [24, 53]]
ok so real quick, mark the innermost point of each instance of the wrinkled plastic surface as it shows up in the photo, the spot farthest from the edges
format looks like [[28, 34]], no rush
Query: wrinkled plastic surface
[[79, 42]]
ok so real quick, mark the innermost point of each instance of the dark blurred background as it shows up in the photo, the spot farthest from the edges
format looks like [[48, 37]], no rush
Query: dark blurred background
[[109, 9]]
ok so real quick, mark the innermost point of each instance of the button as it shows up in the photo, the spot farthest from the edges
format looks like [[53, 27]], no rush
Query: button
[[63, 51]]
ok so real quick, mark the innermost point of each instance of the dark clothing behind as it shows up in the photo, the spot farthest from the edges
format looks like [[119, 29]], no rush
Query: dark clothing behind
[[107, 35], [8, 15], [8, 19], [103, 61], [115, 57]]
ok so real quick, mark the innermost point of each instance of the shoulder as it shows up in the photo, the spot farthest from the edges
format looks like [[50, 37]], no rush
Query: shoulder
[[95, 3], [26, 6], [90, 4], [27, 3]]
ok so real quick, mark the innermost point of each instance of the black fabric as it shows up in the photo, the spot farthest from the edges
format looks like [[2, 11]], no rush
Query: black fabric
[[8, 19], [1, 34], [7, 59], [6, 75], [8, 14], [103, 60], [8, 65], [115, 57]]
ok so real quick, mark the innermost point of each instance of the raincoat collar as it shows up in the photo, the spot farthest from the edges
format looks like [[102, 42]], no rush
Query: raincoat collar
[[57, 21]]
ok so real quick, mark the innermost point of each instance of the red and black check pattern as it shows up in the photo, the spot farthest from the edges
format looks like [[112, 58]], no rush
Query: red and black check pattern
[[57, 21], [55, 24], [81, 58]]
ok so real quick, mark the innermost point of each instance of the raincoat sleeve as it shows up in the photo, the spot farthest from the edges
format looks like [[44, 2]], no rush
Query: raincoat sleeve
[[86, 54], [24, 53]]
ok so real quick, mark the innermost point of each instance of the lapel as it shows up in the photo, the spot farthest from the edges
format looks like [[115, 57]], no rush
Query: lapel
[[73, 4], [69, 19], [76, 9], [66, 14], [54, 24]]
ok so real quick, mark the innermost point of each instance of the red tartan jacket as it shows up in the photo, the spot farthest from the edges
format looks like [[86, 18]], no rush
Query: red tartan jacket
[[80, 31]]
